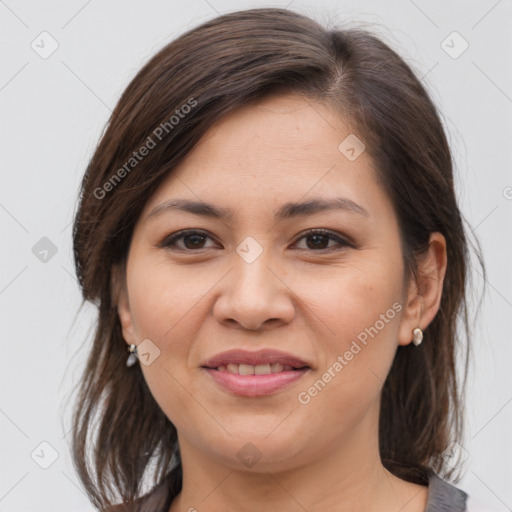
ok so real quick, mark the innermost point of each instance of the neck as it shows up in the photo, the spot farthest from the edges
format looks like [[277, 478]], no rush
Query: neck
[[349, 476]]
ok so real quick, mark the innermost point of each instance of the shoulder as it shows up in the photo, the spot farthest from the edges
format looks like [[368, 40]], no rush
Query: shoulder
[[444, 497]]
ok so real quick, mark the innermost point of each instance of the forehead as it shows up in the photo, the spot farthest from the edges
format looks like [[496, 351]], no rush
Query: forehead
[[285, 129], [279, 149]]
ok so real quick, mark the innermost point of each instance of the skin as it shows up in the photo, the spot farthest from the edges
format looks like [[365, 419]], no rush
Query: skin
[[307, 297]]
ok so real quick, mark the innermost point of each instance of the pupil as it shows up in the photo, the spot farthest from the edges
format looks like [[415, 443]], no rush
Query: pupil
[[317, 237], [195, 240]]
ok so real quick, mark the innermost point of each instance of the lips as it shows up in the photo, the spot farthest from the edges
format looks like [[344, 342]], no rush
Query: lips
[[255, 373], [255, 362]]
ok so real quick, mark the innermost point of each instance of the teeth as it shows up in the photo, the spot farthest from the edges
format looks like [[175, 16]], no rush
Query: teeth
[[259, 369], [246, 369], [232, 368], [262, 369]]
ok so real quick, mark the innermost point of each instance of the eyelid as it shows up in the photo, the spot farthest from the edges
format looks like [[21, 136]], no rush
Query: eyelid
[[169, 240], [166, 242], [342, 240]]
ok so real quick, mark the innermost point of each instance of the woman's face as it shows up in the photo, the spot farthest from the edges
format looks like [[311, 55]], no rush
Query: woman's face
[[252, 278]]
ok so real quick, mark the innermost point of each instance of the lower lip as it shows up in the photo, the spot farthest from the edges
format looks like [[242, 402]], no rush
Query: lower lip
[[255, 385]]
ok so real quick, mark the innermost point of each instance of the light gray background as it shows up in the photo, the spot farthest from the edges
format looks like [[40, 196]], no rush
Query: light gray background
[[53, 111]]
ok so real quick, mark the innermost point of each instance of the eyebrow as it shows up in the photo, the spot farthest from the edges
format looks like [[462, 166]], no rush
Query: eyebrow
[[287, 211]]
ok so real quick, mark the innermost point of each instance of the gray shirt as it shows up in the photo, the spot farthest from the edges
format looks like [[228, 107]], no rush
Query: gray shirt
[[444, 497]]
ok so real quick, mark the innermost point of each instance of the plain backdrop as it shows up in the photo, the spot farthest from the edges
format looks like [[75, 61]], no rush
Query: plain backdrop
[[57, 90]]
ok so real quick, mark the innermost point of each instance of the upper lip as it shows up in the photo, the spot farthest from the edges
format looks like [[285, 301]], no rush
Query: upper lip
[[264, 356]]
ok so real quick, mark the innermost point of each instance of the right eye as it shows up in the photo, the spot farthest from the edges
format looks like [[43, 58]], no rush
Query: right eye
[[192, 239]]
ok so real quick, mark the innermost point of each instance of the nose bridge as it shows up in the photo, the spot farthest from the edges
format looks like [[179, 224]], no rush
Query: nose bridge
[[253, 293], [253, 281]]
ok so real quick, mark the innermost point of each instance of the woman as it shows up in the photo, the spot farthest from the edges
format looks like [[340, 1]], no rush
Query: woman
[[269, 229]]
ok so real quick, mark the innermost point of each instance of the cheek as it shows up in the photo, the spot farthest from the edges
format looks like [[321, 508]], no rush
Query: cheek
[[165, 304], [169, 306], [349, 299], [161, 297], [358, 311]]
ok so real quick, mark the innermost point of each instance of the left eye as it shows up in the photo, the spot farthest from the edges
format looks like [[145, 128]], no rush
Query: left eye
[[319, 239], [192, 240]]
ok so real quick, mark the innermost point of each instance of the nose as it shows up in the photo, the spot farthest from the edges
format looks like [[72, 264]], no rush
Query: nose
[[254, 296]]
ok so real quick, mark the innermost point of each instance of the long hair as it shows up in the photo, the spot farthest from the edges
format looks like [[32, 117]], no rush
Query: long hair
[[120, 435]]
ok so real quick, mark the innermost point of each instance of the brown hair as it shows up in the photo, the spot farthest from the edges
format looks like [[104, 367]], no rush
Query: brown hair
[[215, 68]]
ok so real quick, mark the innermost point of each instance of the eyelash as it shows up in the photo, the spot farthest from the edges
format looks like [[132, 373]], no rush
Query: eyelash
[[170, 241]]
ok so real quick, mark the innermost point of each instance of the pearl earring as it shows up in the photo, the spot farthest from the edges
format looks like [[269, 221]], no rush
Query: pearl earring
[[417, 336], [132, 358]]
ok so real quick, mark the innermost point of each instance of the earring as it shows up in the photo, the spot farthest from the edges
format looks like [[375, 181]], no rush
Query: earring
[[417, 336], [132, 358]]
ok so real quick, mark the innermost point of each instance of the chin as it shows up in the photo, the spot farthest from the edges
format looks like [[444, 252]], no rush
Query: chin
[[255, 452]]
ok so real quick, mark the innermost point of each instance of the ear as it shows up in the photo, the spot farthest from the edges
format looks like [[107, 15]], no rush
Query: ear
[[121, 302], [424, 294]]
